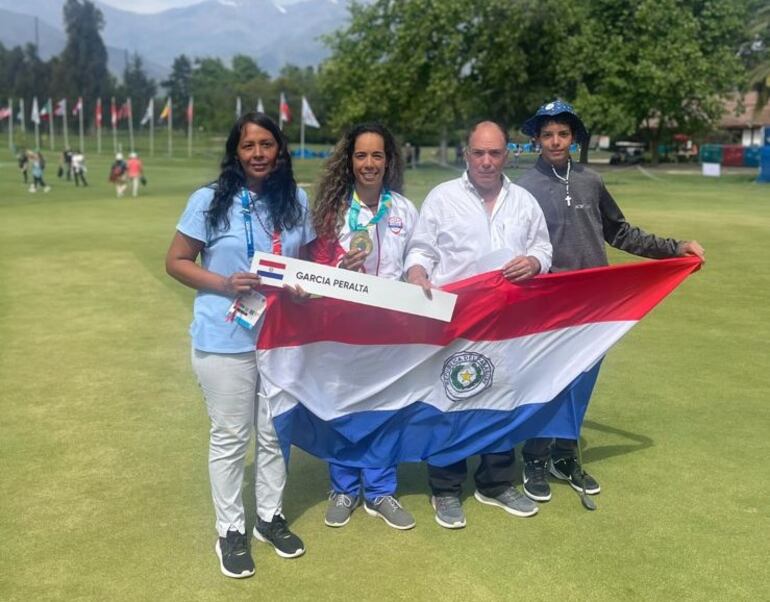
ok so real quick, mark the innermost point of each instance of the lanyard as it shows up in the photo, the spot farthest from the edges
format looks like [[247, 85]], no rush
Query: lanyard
[[275, 237], [386, 200]]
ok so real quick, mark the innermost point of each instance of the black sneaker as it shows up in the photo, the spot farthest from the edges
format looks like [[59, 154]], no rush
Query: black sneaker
[[535, 480], [277, 534], [234, 556], [569, 469]]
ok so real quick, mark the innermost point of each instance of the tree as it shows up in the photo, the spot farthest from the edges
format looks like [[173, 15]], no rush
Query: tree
[[82, 68], [653, 65], [24, 74], [138, 86], [755, 54], [213, 87], [432, 67], [178, 85]]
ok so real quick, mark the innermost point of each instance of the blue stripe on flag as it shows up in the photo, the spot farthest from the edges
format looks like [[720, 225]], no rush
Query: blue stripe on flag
[[421, 432], [270, 275]]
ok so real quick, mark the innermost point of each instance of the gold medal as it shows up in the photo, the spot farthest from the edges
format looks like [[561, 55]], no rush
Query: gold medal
[[360, 241]]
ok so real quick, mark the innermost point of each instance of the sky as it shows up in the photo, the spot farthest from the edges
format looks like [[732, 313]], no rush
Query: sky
[[154, 6]]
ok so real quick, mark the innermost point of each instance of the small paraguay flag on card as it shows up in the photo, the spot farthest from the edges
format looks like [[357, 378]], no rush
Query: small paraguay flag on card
[[270, 269]]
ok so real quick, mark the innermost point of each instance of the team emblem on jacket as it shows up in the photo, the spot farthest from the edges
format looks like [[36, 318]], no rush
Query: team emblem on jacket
[[396, 224], [466, 374]]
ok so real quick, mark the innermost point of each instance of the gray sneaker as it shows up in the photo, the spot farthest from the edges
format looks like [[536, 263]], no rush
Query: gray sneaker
[[391, 511], [340, 509], [510, 500], [449, 511]]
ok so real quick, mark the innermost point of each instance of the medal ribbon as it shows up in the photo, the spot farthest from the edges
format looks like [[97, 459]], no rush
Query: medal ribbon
[[386, 200]]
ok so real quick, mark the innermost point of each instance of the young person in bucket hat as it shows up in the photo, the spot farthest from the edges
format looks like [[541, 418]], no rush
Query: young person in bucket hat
[[581, 216]]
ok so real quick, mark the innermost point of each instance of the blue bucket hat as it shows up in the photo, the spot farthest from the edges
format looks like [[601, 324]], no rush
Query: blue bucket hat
[[552, 109]]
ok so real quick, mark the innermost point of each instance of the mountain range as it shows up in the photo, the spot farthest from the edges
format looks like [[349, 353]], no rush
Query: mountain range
[[271, 34]]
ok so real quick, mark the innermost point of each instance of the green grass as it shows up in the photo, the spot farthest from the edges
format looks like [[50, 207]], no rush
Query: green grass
[[103, 436]]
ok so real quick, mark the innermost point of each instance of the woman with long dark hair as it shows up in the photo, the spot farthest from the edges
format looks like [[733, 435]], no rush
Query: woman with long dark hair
[[255, 205], [364, 224]]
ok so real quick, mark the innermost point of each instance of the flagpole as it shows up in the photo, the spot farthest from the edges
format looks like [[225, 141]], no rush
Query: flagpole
[[130, 124], [23, 118], [189, 126], [302, 136], [114, 121], [50, 122], [37, 123], [64, 124], [99, 116], [80, 124], [152, 127], [11, 117], [170, 117]]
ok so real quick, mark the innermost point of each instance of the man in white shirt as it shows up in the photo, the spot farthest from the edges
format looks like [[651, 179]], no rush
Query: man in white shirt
[[467, 225]]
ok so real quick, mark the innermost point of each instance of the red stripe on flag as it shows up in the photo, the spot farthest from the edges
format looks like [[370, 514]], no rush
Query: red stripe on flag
[[272, 264], [489, 308]]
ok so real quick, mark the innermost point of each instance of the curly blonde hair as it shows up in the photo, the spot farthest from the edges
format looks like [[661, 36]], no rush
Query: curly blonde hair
[[338, 179]]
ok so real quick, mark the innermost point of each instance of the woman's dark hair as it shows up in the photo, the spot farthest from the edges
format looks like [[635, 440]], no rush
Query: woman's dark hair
[[338, 179], [279, 188]]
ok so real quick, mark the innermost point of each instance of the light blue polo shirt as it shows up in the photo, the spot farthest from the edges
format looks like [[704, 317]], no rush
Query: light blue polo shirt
[[225, 253]]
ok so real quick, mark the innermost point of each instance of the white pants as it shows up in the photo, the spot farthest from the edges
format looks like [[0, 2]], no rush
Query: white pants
[[230, 384], [135, 186]]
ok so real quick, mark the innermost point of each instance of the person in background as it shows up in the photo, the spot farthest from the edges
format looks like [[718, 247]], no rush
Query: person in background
[[24, 165], [38, 169], [255, 205], [135, 171], [364, 224], [79, 168], [118, 175]]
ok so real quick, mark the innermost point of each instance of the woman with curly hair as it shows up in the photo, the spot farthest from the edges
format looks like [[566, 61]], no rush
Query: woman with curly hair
[[364, 224], [255, 205]]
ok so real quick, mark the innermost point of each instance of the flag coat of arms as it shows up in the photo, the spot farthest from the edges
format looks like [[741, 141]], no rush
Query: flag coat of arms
[[370, 387]]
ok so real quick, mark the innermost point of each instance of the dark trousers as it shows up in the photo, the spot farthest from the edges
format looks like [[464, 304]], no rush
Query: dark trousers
[[80, 175], [540, 449], [493, 476]]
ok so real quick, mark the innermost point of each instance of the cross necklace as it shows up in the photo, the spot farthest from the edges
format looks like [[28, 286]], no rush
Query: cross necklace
[[564, 180]]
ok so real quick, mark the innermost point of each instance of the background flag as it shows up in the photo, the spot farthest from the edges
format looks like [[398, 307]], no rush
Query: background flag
[[45, 111], [308, 116], [284, 112], [20, 114], [238, 107], [35, 115], [260, 106], [148, 113], [190, 110], [61, 108], [78, 108], [166, 112], [125, 110], [5, 113], [113, 113], [98, 114]]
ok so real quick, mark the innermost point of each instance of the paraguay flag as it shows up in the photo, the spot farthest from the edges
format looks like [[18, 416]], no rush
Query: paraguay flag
[[271, 269], [370, 387]]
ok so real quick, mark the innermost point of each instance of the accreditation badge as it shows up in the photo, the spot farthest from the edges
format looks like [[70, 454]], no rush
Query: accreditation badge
[[361, 241]]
